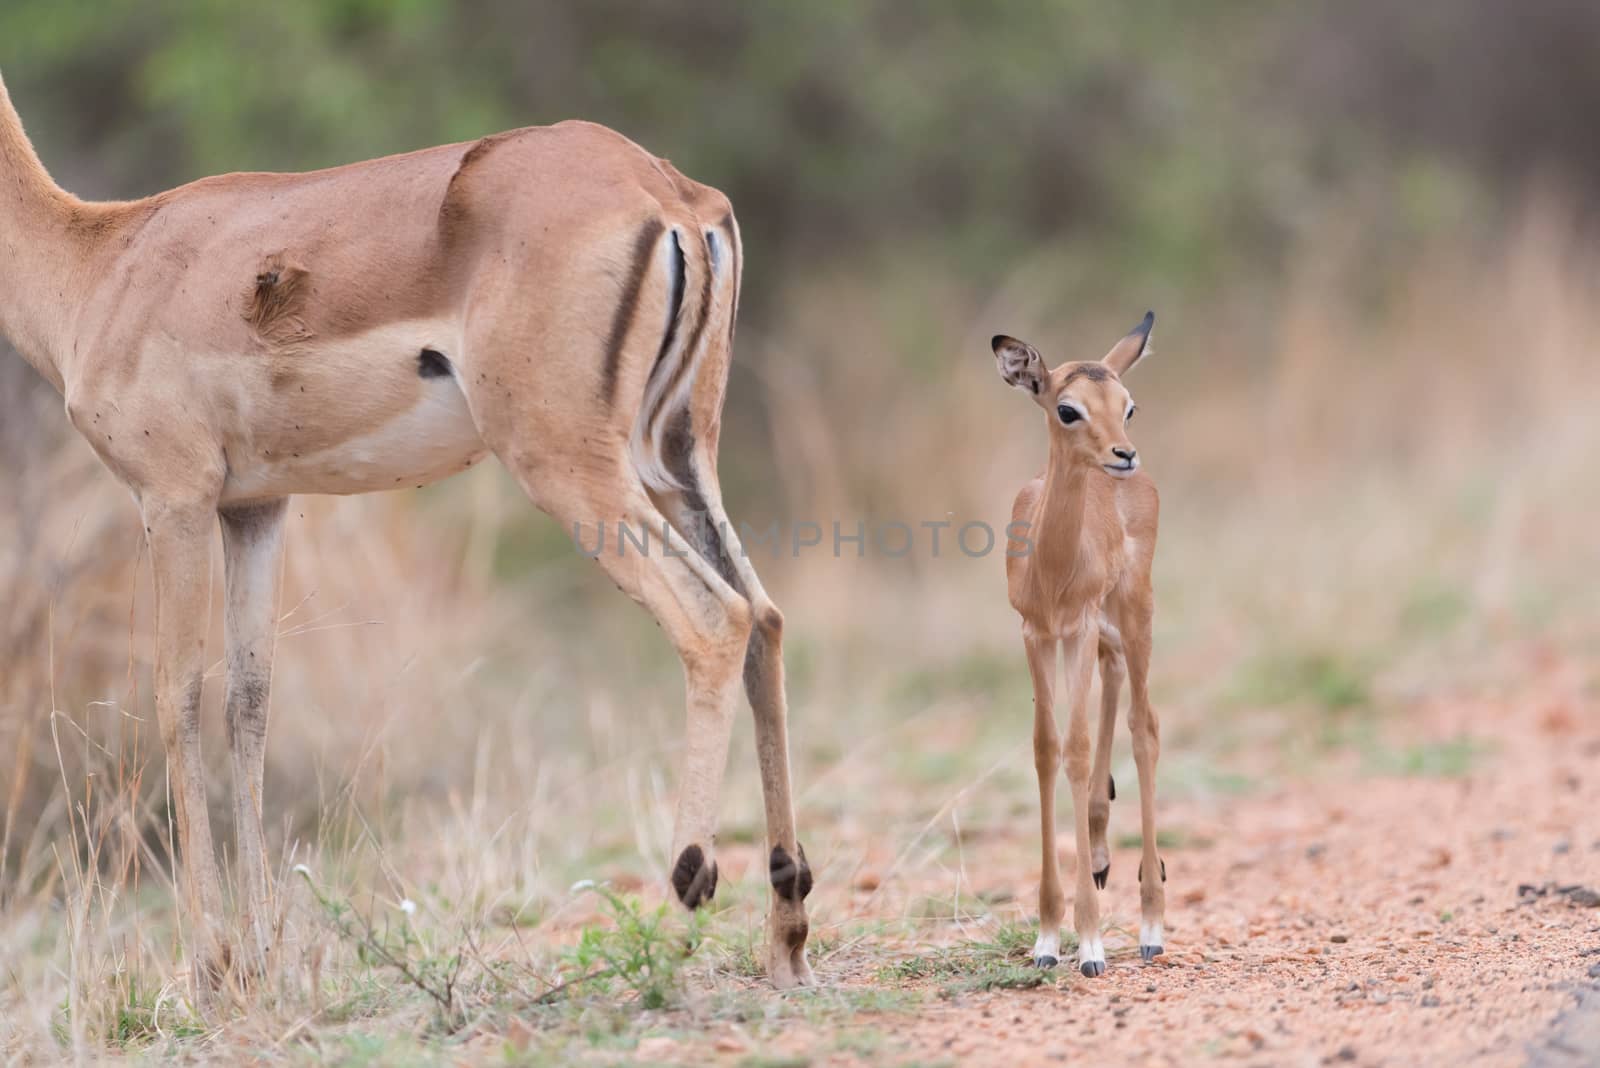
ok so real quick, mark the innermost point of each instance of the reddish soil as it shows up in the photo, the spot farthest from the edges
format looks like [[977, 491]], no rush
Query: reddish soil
[[1353, 919]]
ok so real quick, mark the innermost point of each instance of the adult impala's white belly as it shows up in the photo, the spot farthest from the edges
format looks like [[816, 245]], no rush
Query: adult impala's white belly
[[358, 418], [432, 440]]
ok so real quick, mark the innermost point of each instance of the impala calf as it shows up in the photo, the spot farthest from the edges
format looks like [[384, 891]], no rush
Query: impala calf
[[1081, 583], [556, 296]]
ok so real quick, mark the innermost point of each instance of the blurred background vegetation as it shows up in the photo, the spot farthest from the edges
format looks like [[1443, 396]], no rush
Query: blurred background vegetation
[[1368, 230], [1169, 143]]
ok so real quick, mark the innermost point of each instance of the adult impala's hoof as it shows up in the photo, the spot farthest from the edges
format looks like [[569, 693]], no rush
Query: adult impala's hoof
[[694, 881], [1093, 968], [787, 966], [1100, 877], [790, 971], [1150, 953], [1046, 962]]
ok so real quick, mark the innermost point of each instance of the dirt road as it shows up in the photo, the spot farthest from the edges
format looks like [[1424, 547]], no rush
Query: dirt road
[[1409, 918]]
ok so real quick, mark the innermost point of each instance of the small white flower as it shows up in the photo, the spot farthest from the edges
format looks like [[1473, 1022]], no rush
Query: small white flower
[[301, 869], [581, 885], [408, 907]]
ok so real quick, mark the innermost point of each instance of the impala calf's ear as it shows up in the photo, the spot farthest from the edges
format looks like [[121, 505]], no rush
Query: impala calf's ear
[[1020, 365], [1133, 348]]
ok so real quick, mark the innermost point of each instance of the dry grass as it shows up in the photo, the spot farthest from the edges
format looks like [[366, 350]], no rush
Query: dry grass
[[1367, 490]]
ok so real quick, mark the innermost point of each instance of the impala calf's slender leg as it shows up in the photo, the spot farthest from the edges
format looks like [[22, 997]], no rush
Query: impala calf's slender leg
[[1101, 789], [1146, 732], [1080, 656], [1047, 763], [252, 543]]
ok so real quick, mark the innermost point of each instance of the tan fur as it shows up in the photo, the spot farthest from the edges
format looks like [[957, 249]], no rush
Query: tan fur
[[249, 336], [1080, 579]]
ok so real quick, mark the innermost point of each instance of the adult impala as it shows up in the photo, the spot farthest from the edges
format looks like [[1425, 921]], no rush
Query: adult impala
[[556, 296], [1081, 582]]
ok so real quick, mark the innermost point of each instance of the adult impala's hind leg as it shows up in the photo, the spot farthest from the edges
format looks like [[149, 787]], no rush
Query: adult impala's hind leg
[[1102, 791], [788, 869], [706, 620], [1047, 763], [699, 513], [1146, 730], [252, 542]]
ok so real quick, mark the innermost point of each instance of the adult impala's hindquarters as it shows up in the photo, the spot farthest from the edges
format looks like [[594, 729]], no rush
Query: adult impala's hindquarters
[[1078, 573], [556, 296]]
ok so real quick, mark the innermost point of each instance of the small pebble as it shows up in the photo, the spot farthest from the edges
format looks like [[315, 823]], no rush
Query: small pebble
[[1562, 847], [1594, 971], [1430, 1002], [1340, 938]]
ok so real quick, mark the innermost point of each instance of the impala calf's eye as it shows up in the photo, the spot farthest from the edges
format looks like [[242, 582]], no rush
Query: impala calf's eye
[[1068, 414]]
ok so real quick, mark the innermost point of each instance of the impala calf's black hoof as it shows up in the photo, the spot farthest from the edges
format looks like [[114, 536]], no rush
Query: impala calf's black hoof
[[1100, 877], [1150, 953], [1047, 962], [1093, 969], [694, 881]]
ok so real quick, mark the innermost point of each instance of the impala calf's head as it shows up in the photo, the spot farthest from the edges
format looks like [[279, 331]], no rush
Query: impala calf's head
[[1089, 406]]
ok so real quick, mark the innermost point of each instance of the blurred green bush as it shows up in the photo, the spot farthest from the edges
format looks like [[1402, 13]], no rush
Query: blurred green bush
[[1178, 141]]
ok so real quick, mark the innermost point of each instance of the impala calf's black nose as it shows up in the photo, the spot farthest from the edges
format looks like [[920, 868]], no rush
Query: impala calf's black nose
[[1125, 454]]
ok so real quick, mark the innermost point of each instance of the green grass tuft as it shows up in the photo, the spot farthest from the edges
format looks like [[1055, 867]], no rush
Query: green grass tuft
[[1323, 679]]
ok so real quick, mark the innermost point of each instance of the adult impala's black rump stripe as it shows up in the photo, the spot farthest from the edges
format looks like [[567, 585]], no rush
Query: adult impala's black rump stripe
[[628, 306], [680, 278]]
